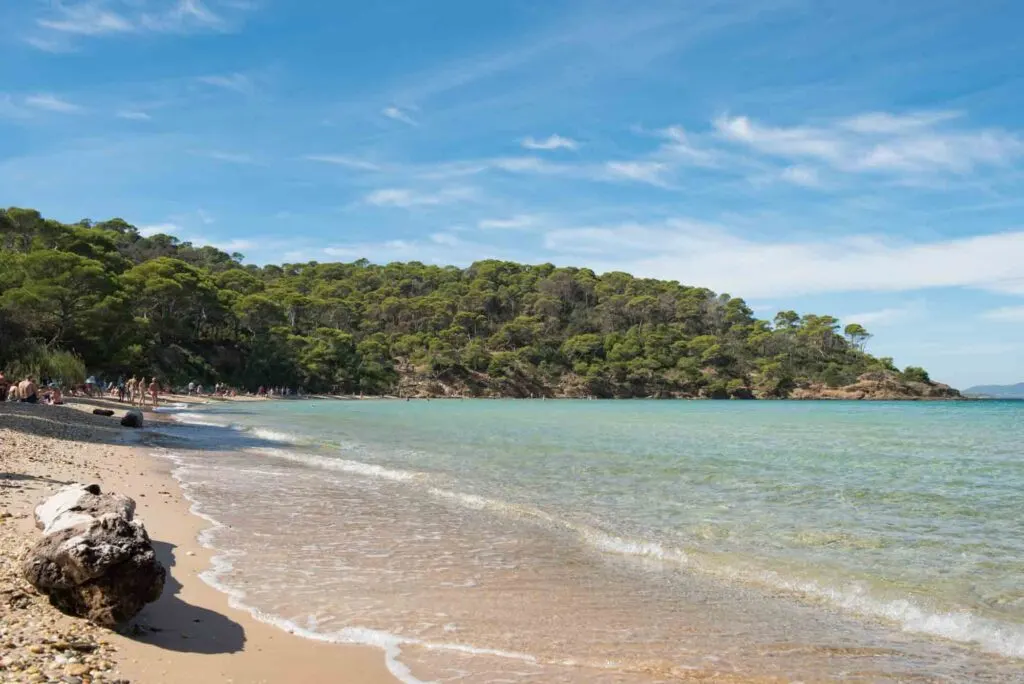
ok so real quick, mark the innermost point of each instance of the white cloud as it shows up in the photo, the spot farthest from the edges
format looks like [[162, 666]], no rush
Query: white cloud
[[405, 198], [885, 123], [552, 142], [343, 160], [229, 157], [86, 19], [229, 246], [1005, 314], [445, 239], [236, 82], [133, 115], [526, 165], [640, 171], [182, 16], [681, 147], [709, 255], [787, 142], [517, 222], [100, 18], [398, 115], [880, 317], [159, 229], [880, 143], [51, 103], [801, 175]]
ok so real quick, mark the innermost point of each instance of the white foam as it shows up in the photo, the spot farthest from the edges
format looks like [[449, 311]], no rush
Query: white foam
[[273, 435], [170, 408], [990, 635], [196, 419], [344, 465]]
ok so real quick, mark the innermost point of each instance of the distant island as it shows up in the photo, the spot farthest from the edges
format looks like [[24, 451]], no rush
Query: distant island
[[101, 298], [996, 391]]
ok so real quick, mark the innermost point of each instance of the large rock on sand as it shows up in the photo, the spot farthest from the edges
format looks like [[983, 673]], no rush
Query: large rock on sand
[[95, 560], [133, 418]]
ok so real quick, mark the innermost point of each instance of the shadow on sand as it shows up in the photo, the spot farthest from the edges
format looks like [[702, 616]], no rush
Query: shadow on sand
[[21, 477], [176, 625]]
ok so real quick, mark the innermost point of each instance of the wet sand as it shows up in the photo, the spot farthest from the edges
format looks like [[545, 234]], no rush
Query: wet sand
[[191, 634]]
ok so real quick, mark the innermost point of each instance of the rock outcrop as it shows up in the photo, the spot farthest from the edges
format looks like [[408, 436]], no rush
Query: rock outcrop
[[102, 412], [132, 419], [878, 386], [94, 560]]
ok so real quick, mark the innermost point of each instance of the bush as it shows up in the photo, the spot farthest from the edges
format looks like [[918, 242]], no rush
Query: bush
[[916, 374], [42, 363]]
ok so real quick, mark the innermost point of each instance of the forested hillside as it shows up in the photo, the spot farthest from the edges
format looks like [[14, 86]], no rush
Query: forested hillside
[[123, 304]]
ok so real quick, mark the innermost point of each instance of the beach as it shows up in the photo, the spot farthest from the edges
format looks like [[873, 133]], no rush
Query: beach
[[191, 634], [557, 542]]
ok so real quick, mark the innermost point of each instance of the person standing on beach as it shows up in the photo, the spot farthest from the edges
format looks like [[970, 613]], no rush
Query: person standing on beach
[[141, 390], [154, 391], [4, 386], [133, 385]]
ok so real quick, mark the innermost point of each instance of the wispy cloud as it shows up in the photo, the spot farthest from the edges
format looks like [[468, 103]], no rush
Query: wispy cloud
[[679, 146], [236, 82], [801, 175], [86, 19], [552, 142], [518, 222], [101, 18], [182, 16], [133, 115], [707, 254], [406, 198], [879, 143], [52, 103], [1005, 314], [159, 229], [881, 316], [399, 115], [344, 160], [640, 171], [883, 123], [229, 157]]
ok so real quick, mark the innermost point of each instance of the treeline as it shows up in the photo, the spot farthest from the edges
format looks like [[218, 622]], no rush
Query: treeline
[[126, 304]]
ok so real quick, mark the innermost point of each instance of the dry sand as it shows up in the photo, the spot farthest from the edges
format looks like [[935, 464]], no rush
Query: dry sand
[[191, 634]]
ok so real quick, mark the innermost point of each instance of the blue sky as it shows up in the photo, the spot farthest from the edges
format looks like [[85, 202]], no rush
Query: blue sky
[[860, 159]]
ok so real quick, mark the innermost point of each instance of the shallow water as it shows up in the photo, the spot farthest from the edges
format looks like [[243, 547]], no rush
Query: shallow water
[[562, 541]]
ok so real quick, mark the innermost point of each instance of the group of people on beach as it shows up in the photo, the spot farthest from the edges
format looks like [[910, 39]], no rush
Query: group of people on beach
[[136, 390], [27, 392]]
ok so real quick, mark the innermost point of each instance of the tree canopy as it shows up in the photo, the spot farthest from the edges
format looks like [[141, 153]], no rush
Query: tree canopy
[[124, 303]]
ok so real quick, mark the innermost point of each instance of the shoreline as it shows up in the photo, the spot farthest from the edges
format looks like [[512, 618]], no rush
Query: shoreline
[[192, 633]]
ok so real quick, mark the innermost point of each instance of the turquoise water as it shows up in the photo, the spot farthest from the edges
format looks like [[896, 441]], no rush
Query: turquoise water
[[634, 541]]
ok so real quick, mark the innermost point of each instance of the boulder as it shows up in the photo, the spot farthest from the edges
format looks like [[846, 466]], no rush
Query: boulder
[[132, 419], [94, 560], [102, 412]]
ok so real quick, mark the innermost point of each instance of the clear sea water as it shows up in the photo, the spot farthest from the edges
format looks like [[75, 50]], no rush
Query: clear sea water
[[631, 541]]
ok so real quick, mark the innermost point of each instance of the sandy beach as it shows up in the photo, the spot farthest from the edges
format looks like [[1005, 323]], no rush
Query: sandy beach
[[191, 634]]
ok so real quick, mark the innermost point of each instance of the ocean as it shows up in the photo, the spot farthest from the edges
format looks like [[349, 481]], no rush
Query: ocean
[[623, 541]]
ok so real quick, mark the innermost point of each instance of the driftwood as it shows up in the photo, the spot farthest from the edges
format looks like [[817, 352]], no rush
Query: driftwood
[[94, 560]]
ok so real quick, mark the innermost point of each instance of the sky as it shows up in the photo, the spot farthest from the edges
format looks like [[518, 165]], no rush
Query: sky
[[860, 159]]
